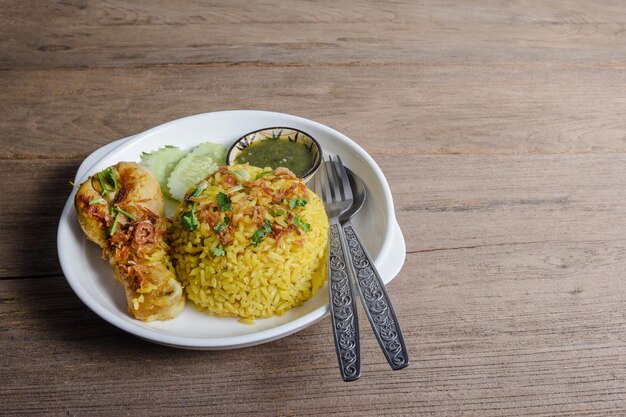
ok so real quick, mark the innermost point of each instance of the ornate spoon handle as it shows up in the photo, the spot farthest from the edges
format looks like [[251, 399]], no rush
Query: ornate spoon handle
[[376, 301], [342, 307]]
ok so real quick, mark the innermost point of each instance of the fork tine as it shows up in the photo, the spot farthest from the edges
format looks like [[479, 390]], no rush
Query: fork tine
[[345, 182], [325, 183], [335, 179], [337, 185], [320, 178], [317, 184], [333, 195], [332, 184]]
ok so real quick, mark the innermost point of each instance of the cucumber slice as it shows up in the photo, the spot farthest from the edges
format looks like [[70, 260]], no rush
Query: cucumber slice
[[162, 162], [194, 167]]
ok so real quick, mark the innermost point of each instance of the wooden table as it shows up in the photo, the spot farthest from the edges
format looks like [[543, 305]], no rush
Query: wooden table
[[500, 126]]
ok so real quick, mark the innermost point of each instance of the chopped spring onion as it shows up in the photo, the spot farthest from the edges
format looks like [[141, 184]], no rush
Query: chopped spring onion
[[219, 227], [241, 174], [125, 213], [263, 174], [116, 219], [297, 221], [261, 233], [234, 189], [189, 219], [218, 251], [223, 202], [114, 227], [108, 175], [297, 202], [105, 188], [97, 201], [199, 188]]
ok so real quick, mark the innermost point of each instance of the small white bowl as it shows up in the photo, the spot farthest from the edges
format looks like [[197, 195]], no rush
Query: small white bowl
[[278, 133]]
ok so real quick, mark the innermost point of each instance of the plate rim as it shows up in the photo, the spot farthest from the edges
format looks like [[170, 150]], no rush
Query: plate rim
[[212, 343]]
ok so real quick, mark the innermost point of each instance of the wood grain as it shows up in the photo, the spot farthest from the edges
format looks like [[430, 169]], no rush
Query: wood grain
[[396, 109], [111, 34], [503, 343], [498, 124], [35, 192]]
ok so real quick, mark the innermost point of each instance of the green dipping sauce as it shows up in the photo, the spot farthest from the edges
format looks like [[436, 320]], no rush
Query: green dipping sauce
[[278, 153]]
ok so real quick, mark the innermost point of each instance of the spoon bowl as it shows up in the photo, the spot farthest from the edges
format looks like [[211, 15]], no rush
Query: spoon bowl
[[359, 194]]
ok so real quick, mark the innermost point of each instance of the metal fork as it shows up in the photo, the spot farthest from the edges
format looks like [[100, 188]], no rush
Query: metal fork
[[376, 301], [336, 193]]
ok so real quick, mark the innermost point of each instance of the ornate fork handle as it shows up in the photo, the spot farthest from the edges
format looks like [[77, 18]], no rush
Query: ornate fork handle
[[376, 301], [342, 307]]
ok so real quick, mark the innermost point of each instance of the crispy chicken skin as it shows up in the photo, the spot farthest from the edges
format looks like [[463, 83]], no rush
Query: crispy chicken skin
[[137, 189], [121, 209]]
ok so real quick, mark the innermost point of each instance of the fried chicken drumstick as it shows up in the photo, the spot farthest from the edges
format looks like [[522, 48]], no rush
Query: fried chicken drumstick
[[121, 209]]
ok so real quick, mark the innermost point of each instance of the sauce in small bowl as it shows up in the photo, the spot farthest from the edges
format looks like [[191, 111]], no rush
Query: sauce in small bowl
[[278, 147]]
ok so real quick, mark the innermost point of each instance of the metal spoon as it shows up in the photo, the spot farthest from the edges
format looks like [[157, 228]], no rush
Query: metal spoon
[[374, 296]]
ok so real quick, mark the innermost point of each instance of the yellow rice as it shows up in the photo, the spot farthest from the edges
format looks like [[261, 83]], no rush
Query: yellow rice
[[253, 277]]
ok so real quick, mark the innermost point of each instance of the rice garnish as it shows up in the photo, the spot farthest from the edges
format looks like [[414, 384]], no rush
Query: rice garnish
[[250, 243]]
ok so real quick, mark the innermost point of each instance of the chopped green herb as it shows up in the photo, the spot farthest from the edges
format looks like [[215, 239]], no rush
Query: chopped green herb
[[189, 219], [109, 175], [125, 213], [234, 189], [116, 211], [226, 219], [261, 233], [218, 251], [263, 174], [196, 192], [241, 174], [297, 202], [199, 188], [219, 227], [114, 227], [105, 188], [276, 212], [223, 202], [297, 221], [97, 201]]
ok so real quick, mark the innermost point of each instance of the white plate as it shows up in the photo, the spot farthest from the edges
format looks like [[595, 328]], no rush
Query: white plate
[[91, 278]]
